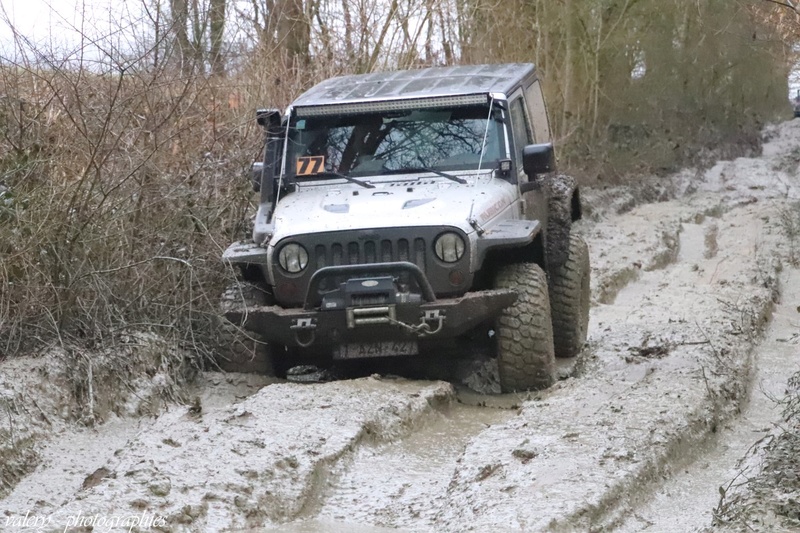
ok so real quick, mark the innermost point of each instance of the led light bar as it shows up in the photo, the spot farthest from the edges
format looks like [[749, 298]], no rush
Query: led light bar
[[406, 104]]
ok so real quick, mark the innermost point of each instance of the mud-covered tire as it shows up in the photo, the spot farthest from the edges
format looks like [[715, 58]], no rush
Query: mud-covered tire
[[524, 331], [239, 350], [559, 218], [570, 297]]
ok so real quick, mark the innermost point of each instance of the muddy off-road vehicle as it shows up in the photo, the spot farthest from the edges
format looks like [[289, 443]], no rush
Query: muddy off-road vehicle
[[401, 211]]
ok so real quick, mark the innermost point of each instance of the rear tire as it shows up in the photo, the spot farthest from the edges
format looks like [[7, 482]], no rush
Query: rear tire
[[524, 331], [240, 350], [570, 297], [559, 219]]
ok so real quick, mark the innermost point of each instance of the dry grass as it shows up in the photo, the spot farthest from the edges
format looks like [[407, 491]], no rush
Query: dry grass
[[769, 498]]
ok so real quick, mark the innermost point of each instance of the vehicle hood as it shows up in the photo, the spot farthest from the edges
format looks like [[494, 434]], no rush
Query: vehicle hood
[[423, 202]]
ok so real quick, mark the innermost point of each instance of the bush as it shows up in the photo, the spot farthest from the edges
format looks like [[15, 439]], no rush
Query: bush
[[120, 192]]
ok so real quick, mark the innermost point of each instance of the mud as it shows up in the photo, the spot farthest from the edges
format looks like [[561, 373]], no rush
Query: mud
[[703, 490], [639, 434]]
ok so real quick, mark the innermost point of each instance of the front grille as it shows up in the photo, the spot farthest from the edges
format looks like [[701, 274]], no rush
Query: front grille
[[359, 252], [369, 246]]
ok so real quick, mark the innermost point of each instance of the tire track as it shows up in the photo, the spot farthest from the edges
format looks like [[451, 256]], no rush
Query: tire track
[[666, 367], [402, 483], [687, 501]]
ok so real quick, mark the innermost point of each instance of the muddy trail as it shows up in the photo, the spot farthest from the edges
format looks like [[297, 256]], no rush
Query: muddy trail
[[693, 330]]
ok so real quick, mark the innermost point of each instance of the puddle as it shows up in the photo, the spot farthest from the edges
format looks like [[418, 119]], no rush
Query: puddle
[[66, 461], [68, 458]]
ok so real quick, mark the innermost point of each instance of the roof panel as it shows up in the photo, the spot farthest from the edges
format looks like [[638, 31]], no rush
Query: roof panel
[[436, 81]]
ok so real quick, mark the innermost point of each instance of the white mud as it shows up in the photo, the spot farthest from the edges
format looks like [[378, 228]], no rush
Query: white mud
[[689, 500]]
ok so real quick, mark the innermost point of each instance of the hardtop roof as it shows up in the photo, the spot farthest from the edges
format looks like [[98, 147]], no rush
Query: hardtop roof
[[420, 83]]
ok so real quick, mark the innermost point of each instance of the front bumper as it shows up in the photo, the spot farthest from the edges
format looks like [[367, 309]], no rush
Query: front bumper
[[426, 320]]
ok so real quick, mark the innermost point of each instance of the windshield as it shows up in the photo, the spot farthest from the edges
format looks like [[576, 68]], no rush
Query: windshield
[[393, 142]]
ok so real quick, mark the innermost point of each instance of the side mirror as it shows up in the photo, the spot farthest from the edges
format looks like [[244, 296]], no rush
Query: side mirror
[[269, 119], [538, 159], [256, 171]]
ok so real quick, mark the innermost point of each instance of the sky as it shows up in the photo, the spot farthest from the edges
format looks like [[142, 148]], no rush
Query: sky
[[49, 20], [65, 25], [85, 29]]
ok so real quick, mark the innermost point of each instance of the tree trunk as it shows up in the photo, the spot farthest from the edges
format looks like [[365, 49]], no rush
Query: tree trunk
[[216, 17], [294, 32], [180, 15]]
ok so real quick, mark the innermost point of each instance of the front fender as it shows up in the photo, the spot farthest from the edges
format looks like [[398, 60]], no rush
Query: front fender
[[514, 233]]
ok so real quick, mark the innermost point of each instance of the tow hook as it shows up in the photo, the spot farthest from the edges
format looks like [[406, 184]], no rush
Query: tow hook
[[423, 329], [304, 324], [431, 315]]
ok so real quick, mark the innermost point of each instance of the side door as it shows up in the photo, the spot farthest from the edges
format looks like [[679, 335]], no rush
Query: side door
[[534, 200]]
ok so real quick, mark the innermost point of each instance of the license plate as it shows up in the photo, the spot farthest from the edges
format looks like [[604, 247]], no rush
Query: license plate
[[357, 350]]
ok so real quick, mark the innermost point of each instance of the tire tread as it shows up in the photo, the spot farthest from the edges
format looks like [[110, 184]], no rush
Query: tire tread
[[524, 334], [570, 299]]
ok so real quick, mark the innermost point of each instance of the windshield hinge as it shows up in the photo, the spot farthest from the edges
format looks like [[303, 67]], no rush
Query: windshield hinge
[[477, 227]]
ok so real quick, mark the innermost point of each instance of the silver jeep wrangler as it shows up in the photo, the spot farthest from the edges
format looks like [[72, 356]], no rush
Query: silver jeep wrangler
[[402, 210]]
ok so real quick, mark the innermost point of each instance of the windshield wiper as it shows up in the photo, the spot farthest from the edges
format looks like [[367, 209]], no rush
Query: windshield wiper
[[331, 173], [432, 171]]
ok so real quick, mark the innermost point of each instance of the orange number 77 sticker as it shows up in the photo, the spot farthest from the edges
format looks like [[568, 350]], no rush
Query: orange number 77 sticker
[[307, 166]]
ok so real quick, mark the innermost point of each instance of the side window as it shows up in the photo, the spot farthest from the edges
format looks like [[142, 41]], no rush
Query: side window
[[521, 129], [541, 126]]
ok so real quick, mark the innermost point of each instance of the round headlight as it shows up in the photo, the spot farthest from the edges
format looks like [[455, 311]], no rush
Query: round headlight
[[449, 247], [293, 258]]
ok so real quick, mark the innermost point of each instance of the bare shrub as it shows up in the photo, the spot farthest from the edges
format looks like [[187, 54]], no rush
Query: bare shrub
[[640, 87], [790, 225], [768, 496], [125, 187]]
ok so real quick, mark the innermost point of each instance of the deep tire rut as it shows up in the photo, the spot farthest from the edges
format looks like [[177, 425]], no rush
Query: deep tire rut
[[402, 483], [720, 470]]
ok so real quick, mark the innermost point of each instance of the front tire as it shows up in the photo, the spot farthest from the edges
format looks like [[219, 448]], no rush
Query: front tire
[[524, 331], [570, 297]]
